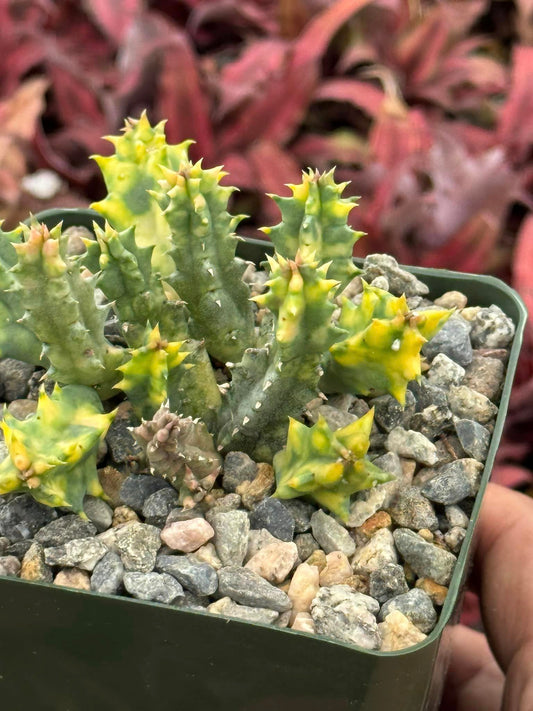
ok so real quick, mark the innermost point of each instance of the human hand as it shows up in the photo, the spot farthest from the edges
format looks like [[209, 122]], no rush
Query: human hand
[[503, 574]]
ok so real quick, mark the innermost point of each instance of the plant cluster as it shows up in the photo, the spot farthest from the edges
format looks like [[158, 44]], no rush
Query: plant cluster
[[165, 263]]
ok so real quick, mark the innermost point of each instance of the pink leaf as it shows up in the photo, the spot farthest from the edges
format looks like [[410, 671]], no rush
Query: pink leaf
[[523, 267], [114, 17], [362, 95], [516, 125]]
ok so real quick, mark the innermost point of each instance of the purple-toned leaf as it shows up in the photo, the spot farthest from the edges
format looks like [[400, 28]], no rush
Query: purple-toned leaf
[[362, 95], [515, 129], [114, 17]]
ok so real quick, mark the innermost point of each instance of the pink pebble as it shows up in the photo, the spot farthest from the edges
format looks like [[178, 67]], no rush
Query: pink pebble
[[187, 536]]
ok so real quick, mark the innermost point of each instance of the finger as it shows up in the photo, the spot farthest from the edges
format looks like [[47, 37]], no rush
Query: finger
[[474, 679]]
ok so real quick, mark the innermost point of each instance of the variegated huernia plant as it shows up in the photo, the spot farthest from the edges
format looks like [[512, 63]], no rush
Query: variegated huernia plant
[[201, 374]]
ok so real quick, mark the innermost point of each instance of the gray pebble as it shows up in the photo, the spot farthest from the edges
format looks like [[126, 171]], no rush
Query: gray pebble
[[379, 550], [66, 528], [98, 512], [474, 438], [492, 328], [22, 517], [426, 394], [189, 601], [14, 377], [275, 517], [157, 587], [108, 574], [228, 608], [387, 581], [19, 548], [244, 586], [229, 502], [416, 605], [81, 553], [9, 565], [454, 538], [306, 545], [411, 509], [445, 372], [431, 421], [199, 578], [426, 559], [456, 516], [158, 505], [136, 543], [485, 375], [338, 612], [238, 468], [388, 413], [400, 280], [454, 482], [331, 535], [121, 444], [453, 340], [231, 536], [335, 418], [468, 404], [138, 487], [412, 445], [301, 512]]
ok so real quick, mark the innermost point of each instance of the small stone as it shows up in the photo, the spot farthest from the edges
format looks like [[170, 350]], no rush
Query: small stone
[[378, 551], [186, 514], [33, 565], [188, 601], [19, 548], [452, 300], [449, 449], [432, 421], [249, 588], [303, 588], [111, 480], [73, 578], [306, 545], [23, 516], [158, 587], [426, 534], [14, 377], [188, 536], [136, 543], [275, 517], [335, 418], [258, 538], [454, 538], [416, 605], [426, 559], [64, 529], [411, 509], [303, 622], [123, 514], [231, 531], [238, 468], [337, 569], [274, 562], [412, 445], [397, 633], [492, 328], [436, 592], [456, 516], [388, 413], [301, 511], [158, 505], [81, 553], [400, 280], [318, 558], [123, 447], [23, 408], [445, 372], [108, 574], [358, 582], [485, 375], [426, 394], [228, 608], [330, 534], [207, 554], [262, 486], [229, 502], [381, 519], [98, 512], [474, 438], [340, 613], [9, 565], [199, 578], [453, 340], [366, 503], [468, 404], [387, 582], [454, 482], [138, 487]]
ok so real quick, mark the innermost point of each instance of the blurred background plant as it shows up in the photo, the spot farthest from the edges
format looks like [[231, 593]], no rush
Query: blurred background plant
[[425, 106]]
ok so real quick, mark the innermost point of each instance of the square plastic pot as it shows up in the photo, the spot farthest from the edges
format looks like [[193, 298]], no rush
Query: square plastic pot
[[71, 650]]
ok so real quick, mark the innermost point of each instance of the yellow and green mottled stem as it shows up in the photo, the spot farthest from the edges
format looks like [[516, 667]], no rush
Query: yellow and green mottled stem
[[52, 453]]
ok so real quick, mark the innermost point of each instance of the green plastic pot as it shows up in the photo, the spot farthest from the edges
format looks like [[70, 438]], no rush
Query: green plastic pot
[[68, 650]]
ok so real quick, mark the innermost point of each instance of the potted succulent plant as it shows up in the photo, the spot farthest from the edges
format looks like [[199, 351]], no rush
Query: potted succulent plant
[[222, 379]]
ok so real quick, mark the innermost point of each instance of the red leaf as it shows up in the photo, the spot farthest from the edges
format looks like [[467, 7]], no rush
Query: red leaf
[[277, 112], [523, 267], [516, 125], [361, 94], [114, 18], [324, 151]]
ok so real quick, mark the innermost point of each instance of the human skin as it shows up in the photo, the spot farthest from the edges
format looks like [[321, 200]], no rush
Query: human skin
[[495, 672]]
